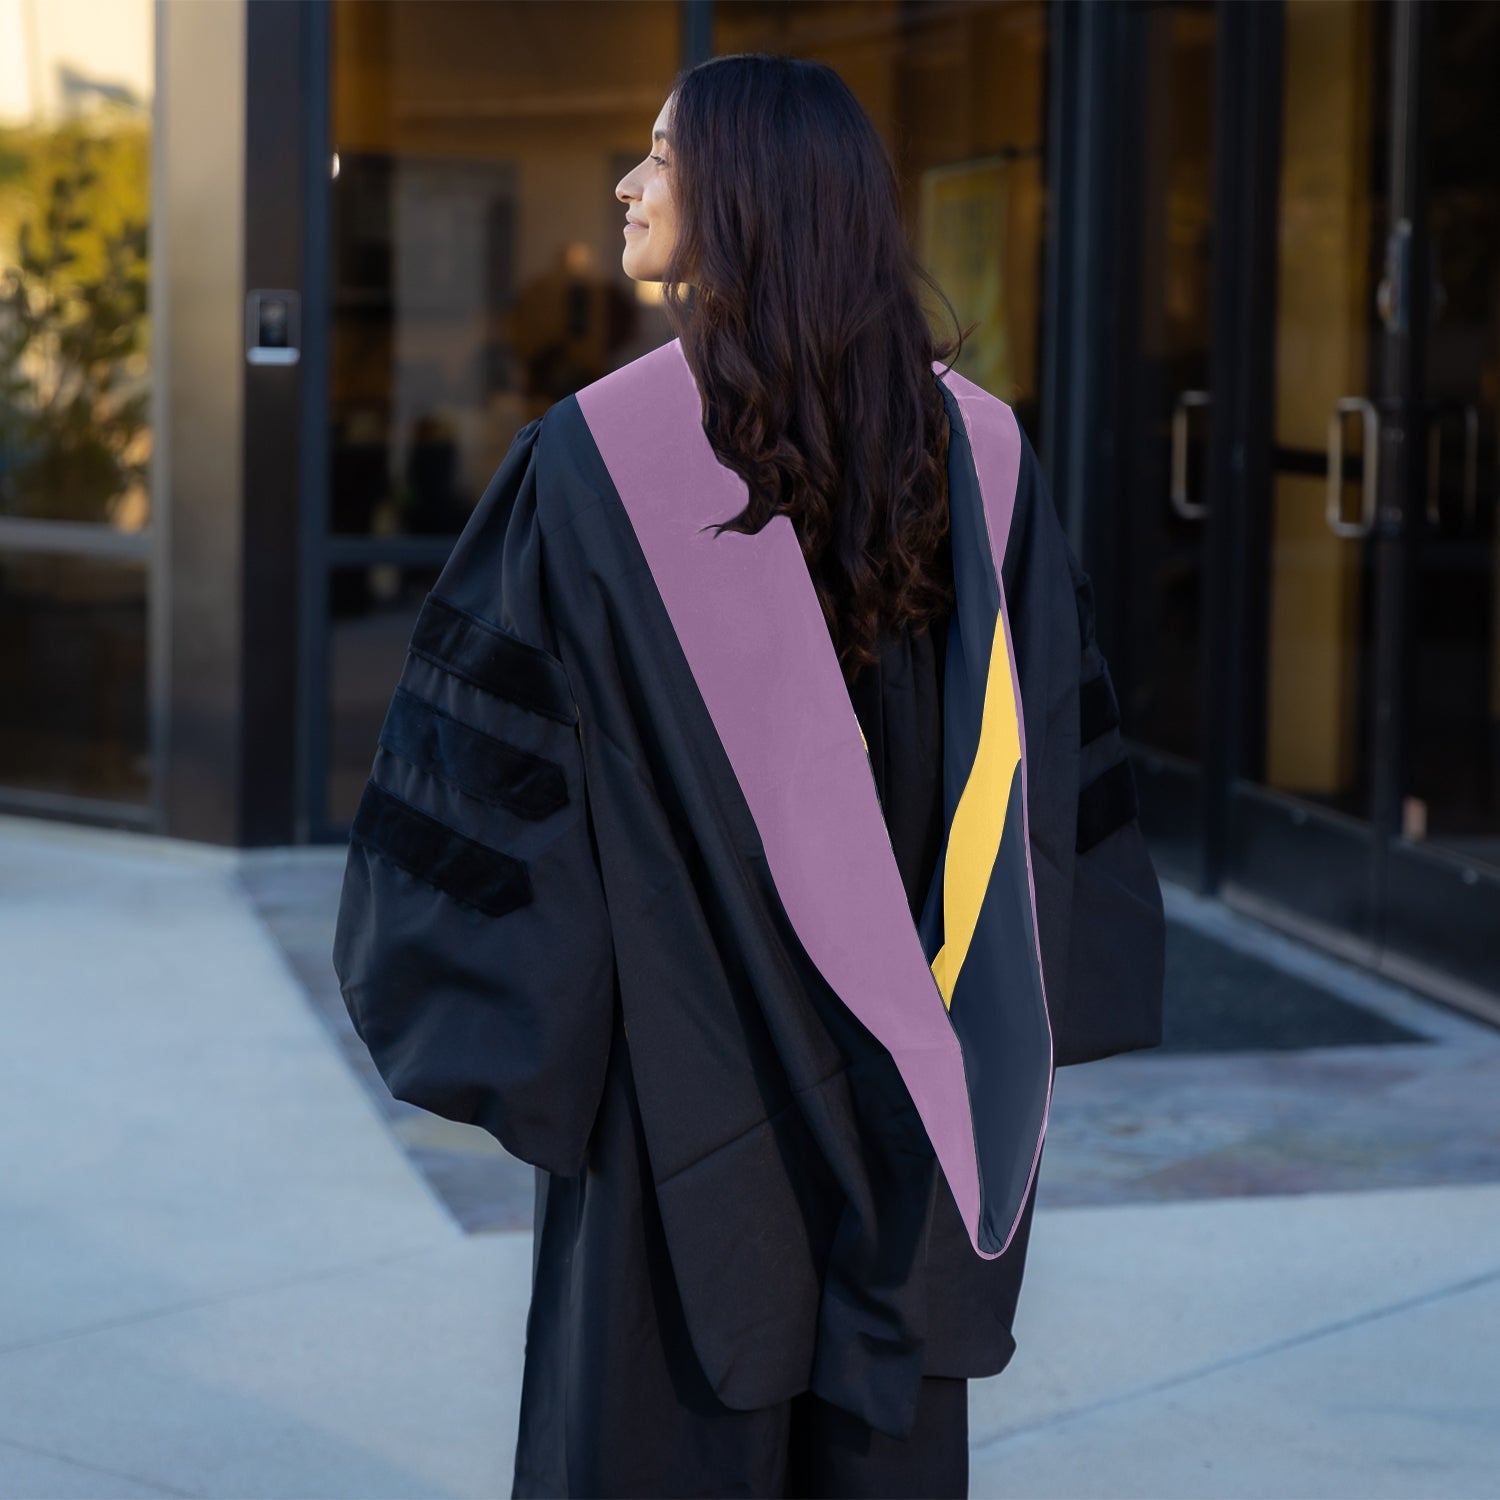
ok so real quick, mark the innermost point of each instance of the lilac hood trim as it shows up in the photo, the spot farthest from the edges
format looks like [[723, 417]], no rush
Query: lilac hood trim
[[746, 613]]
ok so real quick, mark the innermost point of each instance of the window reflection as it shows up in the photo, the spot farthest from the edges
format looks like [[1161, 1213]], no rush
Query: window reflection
[[1452, 704], [958, 92], [75, 136], [476, 237], [375, 609], [73, 676]]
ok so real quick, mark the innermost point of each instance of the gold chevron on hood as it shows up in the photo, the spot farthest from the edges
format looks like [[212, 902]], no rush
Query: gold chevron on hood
[[979, 818]]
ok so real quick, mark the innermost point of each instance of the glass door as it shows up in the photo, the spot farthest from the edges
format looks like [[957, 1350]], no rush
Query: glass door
[[1301, 832], [83, 628], [473, 280], [1364, 801], [1163, 300], [1444, 880], [1295, 539]]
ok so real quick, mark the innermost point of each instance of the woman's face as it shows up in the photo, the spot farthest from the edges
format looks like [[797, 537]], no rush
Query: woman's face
[[646, 192]]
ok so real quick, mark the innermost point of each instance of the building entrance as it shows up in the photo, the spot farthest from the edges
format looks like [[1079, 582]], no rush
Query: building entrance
[[1309, 608]]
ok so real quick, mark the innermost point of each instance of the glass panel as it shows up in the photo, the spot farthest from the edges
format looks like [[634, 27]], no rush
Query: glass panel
[[374, 610], [1315, 709], [73, 676], [1152, 602], [1452, 701], [1167, 393], [959, 94], [76, 87], [1301, 831], [476, 244]]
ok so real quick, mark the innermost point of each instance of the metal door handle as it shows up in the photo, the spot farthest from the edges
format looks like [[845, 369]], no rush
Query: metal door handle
[[1189, 510], [1433, 508], [1471, 461], [1352, 406], [1470, 414]]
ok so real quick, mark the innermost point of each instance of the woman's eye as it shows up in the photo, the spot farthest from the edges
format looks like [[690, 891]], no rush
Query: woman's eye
[[660, 161]]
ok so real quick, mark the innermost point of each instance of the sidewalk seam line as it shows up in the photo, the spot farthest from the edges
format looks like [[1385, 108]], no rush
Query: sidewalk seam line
[[1249, 1356], [83, 1463], [194, 1303]]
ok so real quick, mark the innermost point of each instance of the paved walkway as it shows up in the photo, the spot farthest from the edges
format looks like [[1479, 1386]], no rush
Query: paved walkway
[[232, 1270]]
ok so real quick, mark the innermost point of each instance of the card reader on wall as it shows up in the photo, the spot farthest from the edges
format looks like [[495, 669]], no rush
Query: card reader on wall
[[273, 327]]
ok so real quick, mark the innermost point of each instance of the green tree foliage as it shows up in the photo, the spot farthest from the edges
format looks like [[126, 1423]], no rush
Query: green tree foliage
[[74, 270]]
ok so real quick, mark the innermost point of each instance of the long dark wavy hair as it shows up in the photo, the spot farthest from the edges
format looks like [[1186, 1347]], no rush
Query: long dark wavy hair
[[797, 297]]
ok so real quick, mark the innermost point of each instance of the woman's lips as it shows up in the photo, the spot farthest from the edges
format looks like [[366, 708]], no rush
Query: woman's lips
[[630, 224]]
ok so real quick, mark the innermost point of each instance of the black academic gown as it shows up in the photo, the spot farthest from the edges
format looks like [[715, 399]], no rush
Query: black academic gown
[[621, 858], [604, 1299]]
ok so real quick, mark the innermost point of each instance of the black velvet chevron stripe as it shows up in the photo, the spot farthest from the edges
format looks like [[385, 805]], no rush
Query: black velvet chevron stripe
[[476, 763], [1108, 802], [1098, 709], [492, 659], [470, 873]]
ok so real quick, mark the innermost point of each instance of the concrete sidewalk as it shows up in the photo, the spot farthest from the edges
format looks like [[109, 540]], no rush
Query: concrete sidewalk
[[229, 1271]]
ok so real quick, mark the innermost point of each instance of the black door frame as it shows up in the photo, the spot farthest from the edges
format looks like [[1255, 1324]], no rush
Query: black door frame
[[1320, 874], [1094, 62], [1439, 914], [1424, 925], [1401, 402], [313, 625], [320, 551], [1237, 483], [1288, 861]]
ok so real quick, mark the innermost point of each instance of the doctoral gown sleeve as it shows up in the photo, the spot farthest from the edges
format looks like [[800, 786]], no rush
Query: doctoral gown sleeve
[[472, 944], [1117, 952]]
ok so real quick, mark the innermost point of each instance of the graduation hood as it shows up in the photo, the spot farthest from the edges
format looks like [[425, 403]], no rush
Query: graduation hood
[[958, 998]]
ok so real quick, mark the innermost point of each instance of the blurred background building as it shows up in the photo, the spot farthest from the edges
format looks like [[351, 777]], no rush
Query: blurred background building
[[281, 281]]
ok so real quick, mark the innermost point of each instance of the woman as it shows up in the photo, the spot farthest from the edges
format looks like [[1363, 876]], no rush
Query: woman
[[750, 837]]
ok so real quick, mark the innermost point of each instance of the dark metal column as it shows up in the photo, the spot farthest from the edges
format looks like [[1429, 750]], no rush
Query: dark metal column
[[236, 90], [279, 93], [312, 484], [1247, 166], [697, 32], [1085, 41], [199, 346], [1405, 314]]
